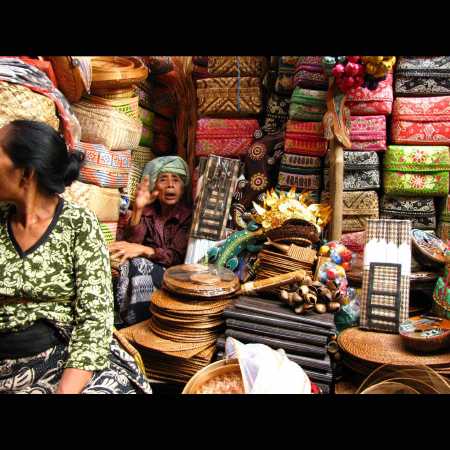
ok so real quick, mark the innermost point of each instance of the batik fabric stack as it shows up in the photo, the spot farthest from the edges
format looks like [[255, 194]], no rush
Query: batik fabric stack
[[421, 134], [305, 144]]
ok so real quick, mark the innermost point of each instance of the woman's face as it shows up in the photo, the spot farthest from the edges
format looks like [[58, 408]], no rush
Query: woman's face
[[10, 176], [170, 187]]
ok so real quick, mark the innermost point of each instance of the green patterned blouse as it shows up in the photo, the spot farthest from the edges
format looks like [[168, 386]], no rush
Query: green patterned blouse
[[67, 277]]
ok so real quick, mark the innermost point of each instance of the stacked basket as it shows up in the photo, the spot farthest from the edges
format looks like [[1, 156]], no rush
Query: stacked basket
[[111, 131]]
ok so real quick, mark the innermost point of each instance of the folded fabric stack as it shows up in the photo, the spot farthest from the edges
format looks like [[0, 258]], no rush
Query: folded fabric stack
[[228, 101], [280, 84], [421, 117], [303, 139], [111, 129], [270, 322], [304, 130]]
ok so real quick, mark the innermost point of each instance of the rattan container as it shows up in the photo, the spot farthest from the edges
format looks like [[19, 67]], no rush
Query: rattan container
[[208, 373]]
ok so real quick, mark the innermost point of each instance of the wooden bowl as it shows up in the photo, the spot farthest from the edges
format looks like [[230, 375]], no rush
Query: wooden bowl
[[425, 334], [208, 373]]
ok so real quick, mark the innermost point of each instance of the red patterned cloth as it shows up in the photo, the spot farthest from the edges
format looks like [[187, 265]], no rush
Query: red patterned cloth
[[224, 137], [305, 138], [422, 121], [309, 73], [363, 101], [368, 133]]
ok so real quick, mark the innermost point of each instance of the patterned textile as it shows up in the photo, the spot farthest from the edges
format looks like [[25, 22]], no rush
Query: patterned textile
[[397, 232], [307, 105], [139, 277], [260, 169], [66, 278], [363, 102], [168, 239], [305, 138], [361, 171], [13, 70], [166, 164], [358, 207], [104, 202], [420, 211], [224, 137], [416, 171], [309, 73], [233, 66], [229, 96], [103, 167], [284, 84], [423, 75], [421, 121], [303, 172], [40, 374], [276, 115], [368, 133]]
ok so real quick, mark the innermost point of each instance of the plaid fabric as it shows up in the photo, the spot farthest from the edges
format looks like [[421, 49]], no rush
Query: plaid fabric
[[385, 278]]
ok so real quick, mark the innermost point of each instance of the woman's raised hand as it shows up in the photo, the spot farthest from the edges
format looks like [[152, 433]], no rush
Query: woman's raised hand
[[143, 195]]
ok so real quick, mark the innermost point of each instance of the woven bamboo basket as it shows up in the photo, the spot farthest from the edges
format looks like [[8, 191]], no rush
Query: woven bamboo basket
[[113, 72], [128, 105], [69, 77], [20, 102], [208, 373], [115, 93], [105, 125]]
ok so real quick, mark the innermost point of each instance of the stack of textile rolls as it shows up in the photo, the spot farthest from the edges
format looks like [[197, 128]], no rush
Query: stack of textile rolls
[[417, 185], [279, 85], [304, 129], [229, 95], [111, 129]]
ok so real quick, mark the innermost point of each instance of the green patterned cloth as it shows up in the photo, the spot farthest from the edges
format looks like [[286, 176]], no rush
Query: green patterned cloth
[[415, 170], [66, 279]]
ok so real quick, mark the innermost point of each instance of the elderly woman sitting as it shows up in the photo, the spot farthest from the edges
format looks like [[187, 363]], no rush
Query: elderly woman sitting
[[155, 236]]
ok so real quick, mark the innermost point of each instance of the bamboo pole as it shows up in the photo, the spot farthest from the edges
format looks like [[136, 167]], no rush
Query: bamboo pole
[[336, 188]]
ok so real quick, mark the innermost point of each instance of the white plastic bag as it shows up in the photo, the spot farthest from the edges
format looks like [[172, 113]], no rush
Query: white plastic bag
[[267, 371]]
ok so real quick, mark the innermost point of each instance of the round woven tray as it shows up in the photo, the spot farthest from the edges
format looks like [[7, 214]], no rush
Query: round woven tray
[[168, 301], [294, 229], [211, 281], [113, 72], [382, 348]]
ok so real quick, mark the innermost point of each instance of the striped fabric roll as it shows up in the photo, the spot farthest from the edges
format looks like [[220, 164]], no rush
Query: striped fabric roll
[[103, 167]]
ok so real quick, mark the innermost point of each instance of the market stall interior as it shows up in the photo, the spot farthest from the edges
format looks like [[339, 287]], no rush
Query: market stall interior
[[317, 252]]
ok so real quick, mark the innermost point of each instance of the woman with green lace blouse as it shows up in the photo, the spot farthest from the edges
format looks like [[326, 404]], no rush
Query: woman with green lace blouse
[[56, 301]]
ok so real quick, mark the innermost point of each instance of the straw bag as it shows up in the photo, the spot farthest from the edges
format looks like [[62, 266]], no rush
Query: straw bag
[[73, 75], [104, 202], [113, 72], [103, 167], [19, 102], [102, 124]]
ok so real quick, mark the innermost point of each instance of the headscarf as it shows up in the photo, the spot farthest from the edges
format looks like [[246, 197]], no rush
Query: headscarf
[[166, 164]]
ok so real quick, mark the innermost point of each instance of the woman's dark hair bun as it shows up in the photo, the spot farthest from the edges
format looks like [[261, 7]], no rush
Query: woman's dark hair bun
[[75, 160], [37, 146]]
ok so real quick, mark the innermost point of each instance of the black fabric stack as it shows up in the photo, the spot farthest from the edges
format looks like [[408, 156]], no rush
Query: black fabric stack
[[304, 338]]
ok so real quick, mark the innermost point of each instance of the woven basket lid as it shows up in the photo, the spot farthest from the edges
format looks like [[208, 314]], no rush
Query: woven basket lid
[[196, 280], [117, 72], [385, 348]]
